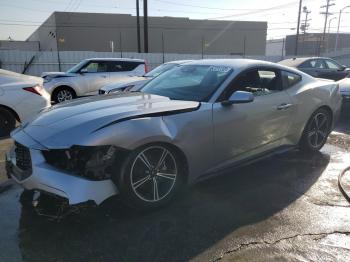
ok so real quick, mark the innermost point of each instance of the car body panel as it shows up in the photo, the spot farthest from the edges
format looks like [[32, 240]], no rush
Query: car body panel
[[211, 135], [24, 103]]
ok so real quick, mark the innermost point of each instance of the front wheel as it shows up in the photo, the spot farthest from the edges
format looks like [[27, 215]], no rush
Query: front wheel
[[63, 94], [316, 131], [150, 177]]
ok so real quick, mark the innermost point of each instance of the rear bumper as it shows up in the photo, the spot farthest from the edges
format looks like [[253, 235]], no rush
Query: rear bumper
[[46, 178]]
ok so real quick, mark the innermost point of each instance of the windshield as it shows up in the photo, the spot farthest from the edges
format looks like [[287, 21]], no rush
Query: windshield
[[160, 69], [77, 67], [188, 82]]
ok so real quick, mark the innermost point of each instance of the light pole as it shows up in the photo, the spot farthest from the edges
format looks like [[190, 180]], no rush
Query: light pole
[[329, 30], [337, 36], [329, 23]]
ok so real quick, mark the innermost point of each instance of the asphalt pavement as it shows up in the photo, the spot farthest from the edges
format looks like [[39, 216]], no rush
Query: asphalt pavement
[[287, 207]]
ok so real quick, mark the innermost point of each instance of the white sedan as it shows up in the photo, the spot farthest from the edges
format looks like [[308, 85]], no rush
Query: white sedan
[[21, 97]]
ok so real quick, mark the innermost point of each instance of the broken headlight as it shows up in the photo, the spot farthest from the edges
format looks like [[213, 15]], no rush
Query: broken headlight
[[91, 162]]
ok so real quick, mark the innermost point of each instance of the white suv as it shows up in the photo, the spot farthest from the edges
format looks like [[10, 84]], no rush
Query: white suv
[[87, 77]]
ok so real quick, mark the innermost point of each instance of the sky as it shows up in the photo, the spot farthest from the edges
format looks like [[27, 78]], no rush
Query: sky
[[19, 18]]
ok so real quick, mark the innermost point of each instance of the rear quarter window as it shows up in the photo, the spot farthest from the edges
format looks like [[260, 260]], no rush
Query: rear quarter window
[[290, 79]]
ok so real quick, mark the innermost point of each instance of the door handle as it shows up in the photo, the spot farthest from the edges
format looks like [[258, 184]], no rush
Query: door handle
[[283, 106]]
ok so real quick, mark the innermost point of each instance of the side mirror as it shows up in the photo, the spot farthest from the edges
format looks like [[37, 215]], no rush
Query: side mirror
[[239, 97]]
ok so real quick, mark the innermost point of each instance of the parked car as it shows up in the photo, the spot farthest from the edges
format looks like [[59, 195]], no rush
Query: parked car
[[319, 67], [344, 86], [184, 126], [135, 83], [21, 97], [89, 76]]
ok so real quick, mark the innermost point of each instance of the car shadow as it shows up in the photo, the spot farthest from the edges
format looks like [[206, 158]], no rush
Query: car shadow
[[194, 222]]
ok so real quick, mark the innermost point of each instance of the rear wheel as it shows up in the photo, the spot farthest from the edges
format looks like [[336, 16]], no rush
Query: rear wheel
[[63, 94], [150, 177], [316, 131], [7, 122]]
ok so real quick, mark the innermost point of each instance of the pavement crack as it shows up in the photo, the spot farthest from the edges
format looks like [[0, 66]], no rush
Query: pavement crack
[[265, 242]]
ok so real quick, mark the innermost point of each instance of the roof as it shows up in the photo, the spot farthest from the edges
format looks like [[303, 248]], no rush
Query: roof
[[115, 59], [234, 62], [296, 61]]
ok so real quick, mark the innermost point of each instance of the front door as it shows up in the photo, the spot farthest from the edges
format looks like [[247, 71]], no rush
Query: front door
[[94, 76], [244, 130]]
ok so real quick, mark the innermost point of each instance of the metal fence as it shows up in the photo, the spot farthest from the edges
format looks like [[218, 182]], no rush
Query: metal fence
[[34, 63]]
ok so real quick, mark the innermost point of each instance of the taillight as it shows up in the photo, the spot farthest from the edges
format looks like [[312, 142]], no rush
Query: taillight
[[146, 68], [38, 89]]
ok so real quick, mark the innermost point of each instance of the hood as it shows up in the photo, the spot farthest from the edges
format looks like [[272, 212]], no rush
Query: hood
[[124, 83], [66, 124], [57, 74]]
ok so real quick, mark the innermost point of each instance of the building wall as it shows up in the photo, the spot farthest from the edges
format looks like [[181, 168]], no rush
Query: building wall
[[311, 44], [19, 45], [93, 32], [46, 34]]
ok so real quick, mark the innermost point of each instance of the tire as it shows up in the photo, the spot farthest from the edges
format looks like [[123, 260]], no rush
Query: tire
[[62, 94], [7, 122], [316, 131], [150, 177]]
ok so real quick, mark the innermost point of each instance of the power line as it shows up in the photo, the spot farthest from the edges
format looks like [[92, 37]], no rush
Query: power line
[[204, 7]]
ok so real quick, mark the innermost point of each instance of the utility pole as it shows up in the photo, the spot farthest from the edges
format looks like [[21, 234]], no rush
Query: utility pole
[[298, 27], [145, 26], [306, 25], [326, 13], [138, 26], [337, 36]]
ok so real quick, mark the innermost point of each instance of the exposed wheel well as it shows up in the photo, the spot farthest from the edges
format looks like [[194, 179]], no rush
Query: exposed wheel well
[[12, 112], [63, 87]]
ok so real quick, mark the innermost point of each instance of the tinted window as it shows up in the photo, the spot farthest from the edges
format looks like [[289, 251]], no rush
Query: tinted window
[[123, 66], [289, 79], [318, 63], [188, 82]]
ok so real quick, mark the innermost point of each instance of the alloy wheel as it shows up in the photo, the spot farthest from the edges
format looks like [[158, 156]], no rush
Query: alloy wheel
[[153, 174], [318, 130], [64, 95]]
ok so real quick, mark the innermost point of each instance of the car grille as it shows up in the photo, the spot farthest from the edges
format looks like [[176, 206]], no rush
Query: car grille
[[23, 159], [101, 92]]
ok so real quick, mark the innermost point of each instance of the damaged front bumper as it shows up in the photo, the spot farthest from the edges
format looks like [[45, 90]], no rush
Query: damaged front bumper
[[46, 178]]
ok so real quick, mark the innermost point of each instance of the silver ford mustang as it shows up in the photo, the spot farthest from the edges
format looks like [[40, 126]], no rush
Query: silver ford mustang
[[184, 126]]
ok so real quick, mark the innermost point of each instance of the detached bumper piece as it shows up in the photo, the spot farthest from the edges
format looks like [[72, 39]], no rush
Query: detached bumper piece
[[29, 168]]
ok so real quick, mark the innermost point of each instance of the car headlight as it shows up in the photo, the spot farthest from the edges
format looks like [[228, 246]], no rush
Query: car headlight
[[121, 89], [47, 79], [91, 162]]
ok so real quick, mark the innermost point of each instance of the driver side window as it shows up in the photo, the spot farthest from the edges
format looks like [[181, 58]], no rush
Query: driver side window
[[260, 82]]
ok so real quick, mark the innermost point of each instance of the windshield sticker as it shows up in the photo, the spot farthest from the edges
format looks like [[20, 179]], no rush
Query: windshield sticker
[[222, 69]]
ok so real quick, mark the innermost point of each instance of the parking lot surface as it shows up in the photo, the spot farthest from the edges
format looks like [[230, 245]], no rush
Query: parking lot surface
[[285, 207]]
